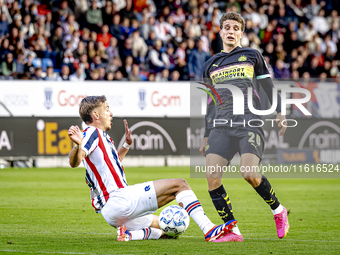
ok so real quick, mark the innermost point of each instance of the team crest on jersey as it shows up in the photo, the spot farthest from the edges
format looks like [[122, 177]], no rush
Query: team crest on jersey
[[242, 58], [84, 132]]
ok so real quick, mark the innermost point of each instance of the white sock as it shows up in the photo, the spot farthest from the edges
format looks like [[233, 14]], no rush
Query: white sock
[[193, 207], [146, 233], [235, 230], [279, 209]]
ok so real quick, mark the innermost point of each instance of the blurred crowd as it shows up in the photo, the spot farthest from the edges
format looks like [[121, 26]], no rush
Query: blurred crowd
[[161, 40]]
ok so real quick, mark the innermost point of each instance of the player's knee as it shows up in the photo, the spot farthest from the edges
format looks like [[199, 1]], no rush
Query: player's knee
[[214, 175], [182, 184]]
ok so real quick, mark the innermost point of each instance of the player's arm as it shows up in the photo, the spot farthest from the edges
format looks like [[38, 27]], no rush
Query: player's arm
[[77, 154], [128, 141], [210, 110], [263, 77], [267, 85]]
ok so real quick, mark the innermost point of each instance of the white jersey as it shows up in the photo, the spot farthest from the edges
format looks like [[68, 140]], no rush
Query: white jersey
[[104, 170]]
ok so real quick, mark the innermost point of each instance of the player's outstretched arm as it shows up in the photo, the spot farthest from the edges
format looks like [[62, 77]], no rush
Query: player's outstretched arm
[[203, 145], [77, 154], [281, 119], [267, 85], [128, 141], [210, 112]]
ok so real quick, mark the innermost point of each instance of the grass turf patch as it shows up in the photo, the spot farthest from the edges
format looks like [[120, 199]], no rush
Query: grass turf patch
[[44, 211]]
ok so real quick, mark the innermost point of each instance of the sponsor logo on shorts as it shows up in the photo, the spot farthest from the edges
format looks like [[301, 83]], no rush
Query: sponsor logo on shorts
[[147, 188]]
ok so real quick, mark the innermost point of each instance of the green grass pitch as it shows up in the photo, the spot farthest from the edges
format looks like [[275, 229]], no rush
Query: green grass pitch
[[48, 211]]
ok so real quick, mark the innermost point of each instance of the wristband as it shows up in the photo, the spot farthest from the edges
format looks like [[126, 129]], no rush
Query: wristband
[[77, 146], [126, 145]]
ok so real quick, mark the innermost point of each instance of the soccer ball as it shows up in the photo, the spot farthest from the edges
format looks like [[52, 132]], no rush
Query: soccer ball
[[174, 220]]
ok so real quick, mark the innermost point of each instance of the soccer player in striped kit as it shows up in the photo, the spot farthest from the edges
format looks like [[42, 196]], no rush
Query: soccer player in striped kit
[[128, 208]]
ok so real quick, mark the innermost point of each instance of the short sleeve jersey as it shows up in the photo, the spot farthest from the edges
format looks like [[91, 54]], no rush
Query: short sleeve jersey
[[242, 67], [104, 170]]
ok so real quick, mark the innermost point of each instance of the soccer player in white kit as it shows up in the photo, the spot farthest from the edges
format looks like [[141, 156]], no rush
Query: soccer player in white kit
[[128, 208]]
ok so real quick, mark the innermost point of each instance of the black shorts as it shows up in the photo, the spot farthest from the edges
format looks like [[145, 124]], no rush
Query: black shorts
[[226, 142]]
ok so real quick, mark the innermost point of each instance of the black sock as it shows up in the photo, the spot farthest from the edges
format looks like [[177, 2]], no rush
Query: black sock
[[266, 191], [222, 203]]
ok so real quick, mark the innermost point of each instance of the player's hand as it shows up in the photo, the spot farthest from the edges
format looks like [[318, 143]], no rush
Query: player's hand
[[75, 135], [204, 143], [279, 120], [128, 135]]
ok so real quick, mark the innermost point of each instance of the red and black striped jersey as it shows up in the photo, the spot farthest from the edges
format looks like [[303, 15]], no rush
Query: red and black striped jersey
[[104, 170]]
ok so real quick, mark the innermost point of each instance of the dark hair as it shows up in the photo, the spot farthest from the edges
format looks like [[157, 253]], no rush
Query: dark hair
[[87, 105], [232, 16], [10, 66]]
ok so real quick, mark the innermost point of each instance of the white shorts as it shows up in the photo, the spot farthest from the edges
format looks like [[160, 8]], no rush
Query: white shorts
[[131, 206]]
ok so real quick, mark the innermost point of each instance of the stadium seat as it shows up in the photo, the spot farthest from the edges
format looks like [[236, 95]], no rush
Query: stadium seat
[[46, 62], [37, 63]]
